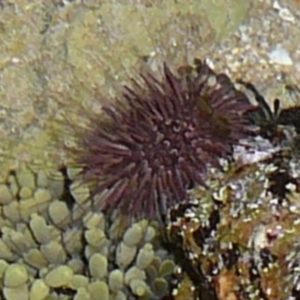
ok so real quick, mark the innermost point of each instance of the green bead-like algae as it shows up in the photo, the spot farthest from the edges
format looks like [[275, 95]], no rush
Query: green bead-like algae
[[59, 277], [39, 290], [5, 194], [15, 275], [98, 288], [98, 266], [17, 293], [116, 280], [133, 235]]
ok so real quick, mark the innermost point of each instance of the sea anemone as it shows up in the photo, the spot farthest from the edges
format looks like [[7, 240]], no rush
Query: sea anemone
[[158, 139]]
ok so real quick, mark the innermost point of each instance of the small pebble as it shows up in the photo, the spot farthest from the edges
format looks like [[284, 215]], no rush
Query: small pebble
[[15, 276], [59, 277]]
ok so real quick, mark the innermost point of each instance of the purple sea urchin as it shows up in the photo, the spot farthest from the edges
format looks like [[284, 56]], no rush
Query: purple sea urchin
[[159, 137]]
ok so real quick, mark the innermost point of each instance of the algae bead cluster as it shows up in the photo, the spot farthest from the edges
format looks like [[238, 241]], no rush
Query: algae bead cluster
[[51, 249]]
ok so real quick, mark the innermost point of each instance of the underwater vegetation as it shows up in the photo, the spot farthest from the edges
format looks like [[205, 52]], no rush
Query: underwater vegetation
[[187, 149]]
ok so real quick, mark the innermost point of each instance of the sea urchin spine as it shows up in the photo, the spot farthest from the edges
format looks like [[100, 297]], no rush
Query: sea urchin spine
[[158, 139]]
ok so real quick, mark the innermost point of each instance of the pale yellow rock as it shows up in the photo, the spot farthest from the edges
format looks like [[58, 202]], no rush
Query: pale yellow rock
[[15, 275]]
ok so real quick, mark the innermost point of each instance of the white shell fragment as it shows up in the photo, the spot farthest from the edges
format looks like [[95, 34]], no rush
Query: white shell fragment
[[280, 56]]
